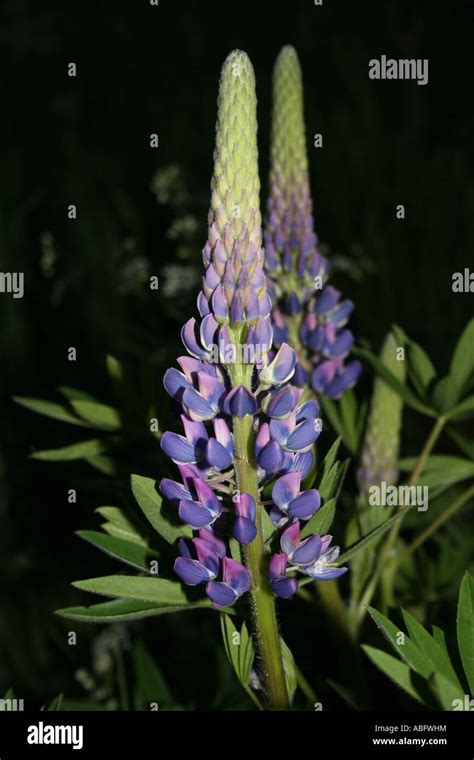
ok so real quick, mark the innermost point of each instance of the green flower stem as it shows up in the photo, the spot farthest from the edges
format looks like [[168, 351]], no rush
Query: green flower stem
[[263, 602], [393, 534]]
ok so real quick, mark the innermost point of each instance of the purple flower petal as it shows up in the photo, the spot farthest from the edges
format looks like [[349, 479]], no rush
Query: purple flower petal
[[207, 557], [195, 514], [270, 457], [217, 546], [327, 299], [307, 552], [285, 588], [207, 497], [277, 566], [327, 574], [244, 530], [286, 489], [240, 402], [291, 538], [282, 403], [304, 435], [305, 505], [281, 368], [216, 455], [220, 594], [191, 571], [190, 340], [178, 448], [196, 406], [173, 491], [175, 383], [236, 576]]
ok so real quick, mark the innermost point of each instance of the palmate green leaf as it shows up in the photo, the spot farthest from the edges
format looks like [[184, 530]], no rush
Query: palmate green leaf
[[397, 671], [403, 391], [133, 554], [120, 526], [50, 409], [96, 414], [123, 611], [408, 651], [461, 371], [431, 649], [321, 521], [440, 470], [151, 504], [82, 450], [369, 538], [465, 628]]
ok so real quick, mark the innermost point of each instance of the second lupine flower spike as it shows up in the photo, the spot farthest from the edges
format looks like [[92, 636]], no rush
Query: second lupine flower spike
[[307, 312]]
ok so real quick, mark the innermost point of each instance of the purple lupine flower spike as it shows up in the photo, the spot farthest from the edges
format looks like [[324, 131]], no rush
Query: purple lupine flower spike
[[229, 382], [303, 303]]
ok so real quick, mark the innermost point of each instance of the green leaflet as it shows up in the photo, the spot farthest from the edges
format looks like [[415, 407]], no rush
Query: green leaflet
[[150, 685], [408, 651], [465, 628], [119, 525], [122, 611], [289, 667], [160, 590], [133, 554], [240, 652], [431, 648], [461, 370], [96, 414], [82, 450], [151, 504], [49, 409], [400, 673]]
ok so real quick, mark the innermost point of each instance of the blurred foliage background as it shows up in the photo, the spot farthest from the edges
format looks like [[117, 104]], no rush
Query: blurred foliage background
[[143, 69]]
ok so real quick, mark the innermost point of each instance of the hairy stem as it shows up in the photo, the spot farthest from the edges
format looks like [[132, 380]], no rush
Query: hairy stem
[[263, 603]]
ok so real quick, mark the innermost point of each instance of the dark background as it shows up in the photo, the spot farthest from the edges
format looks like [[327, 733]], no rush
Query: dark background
[[85, 140]]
